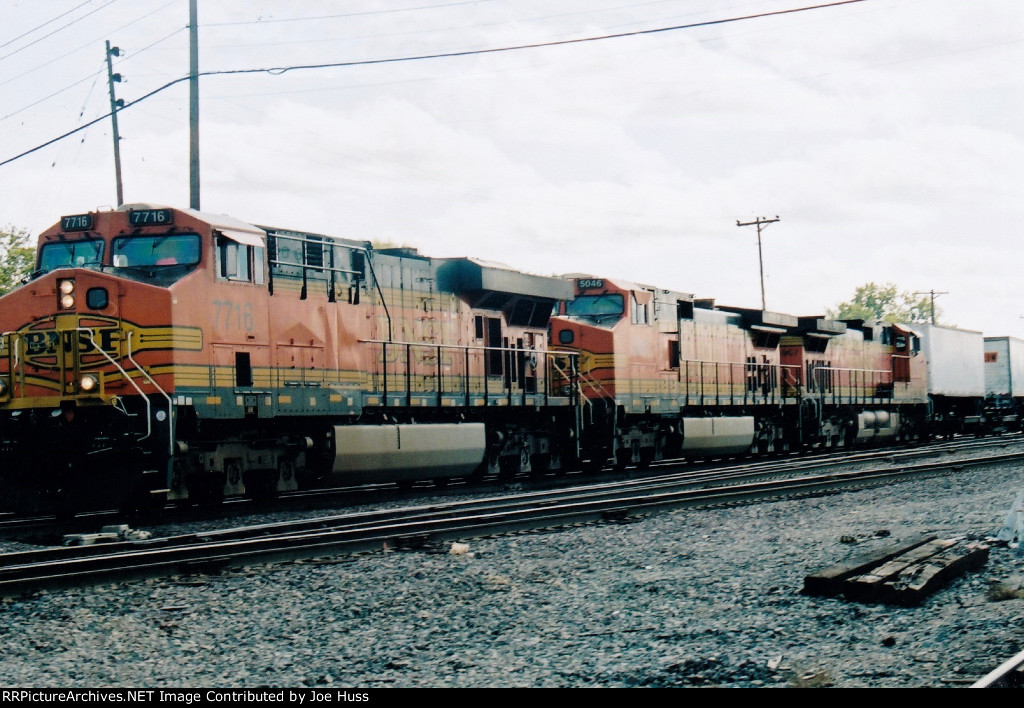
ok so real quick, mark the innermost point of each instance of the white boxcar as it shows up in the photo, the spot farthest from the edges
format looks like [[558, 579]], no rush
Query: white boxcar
[[1004, 367], [956, 360]]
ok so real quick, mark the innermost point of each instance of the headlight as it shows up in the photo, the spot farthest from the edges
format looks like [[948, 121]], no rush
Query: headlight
[[66, 298], [88, 383]]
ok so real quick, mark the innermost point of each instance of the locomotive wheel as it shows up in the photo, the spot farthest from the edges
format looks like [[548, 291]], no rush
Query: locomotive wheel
[[508, 467], [622, 458], [64, 505], [64, 499], [598, 458], [143, 506], [261, 485], [476, 476], [646, 458], [540, 463], [207, 490]]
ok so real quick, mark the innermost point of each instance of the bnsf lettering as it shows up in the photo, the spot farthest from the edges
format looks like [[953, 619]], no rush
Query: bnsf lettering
[[47, 343]]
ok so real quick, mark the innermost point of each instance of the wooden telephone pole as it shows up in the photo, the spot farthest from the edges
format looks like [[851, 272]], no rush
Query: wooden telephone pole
[[932, 293], [760, 223], [115, 105], [193, 105]]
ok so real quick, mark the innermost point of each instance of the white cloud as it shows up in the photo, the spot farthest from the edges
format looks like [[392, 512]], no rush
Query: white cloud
[[886, 135]]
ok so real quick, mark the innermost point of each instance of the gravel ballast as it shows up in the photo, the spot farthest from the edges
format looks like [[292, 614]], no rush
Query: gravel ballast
[[690, 598]]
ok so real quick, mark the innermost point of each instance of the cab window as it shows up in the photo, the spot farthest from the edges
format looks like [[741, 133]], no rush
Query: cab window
[[70, 254], [638, 310], [149, 251], [238, 262], [596, 306]]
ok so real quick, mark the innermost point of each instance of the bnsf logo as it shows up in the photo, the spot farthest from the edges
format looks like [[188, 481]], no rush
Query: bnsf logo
[[49, 344], [44, 344], [55, 343]]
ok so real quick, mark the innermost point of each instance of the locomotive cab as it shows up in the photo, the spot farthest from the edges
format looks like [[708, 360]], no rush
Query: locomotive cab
[[663, 373]]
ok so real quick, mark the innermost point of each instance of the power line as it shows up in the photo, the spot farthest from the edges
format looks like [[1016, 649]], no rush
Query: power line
[[48, 97], [277, 71], [347, 14], [59, 29], [90, 44], [93, 122], [39, 27], [554, 43]]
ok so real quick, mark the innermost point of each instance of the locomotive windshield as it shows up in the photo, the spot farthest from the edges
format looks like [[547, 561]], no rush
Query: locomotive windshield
[[146, 251], [596, 306], [70, 254]]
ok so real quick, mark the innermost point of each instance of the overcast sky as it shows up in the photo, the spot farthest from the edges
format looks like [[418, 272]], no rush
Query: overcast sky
[[888, 135]]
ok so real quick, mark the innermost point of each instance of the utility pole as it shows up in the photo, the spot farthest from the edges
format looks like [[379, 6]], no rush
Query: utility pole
[[193, 104], [115, 105], [760, 222], [932, 293]]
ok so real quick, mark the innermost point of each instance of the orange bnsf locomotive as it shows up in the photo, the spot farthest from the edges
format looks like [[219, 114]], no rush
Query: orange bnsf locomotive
[[664, 374], [161, 353]]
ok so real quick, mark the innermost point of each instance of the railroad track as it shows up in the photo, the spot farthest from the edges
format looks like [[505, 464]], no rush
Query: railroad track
[[420, 525], [43, 530], [1009, 674]]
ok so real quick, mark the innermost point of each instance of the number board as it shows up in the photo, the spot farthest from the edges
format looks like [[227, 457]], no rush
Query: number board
[[78, 222], [150, 217], [589, 283]]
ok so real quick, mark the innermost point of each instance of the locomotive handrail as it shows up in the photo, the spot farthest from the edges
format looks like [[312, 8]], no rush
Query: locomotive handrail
[[380, 292], [528, 385], [576, 400], [149, 422], [470, 347], [750, 385], [596, 386], [840, 368], [14, 354], [325, 268], [305, 266], [170, 403], [826, 386]]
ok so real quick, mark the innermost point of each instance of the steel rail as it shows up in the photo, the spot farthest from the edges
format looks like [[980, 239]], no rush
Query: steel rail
[[11, 527], [375, 530], [1009, 674]]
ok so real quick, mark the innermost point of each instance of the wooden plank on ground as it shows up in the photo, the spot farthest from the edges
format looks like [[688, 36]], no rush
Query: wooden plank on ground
[[829, 581], [919, 581], [903, 578]]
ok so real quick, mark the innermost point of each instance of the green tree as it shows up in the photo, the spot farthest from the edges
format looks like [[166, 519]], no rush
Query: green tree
[[872, 301], [16, 258]]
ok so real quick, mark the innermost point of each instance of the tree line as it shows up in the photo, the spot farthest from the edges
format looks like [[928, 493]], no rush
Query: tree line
[[16, 258], [886, 302]]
